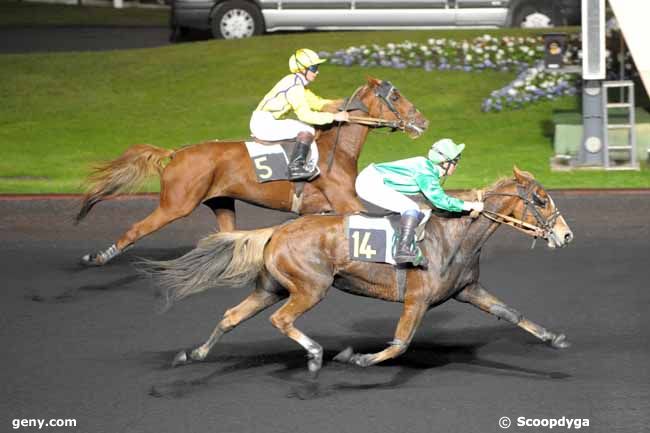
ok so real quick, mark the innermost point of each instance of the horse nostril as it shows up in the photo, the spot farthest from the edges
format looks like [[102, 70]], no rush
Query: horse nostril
[[568, 237]]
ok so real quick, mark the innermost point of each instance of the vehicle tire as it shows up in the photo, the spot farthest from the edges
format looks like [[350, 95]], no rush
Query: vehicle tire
[[178, 34], [236, 19], [534, 15]]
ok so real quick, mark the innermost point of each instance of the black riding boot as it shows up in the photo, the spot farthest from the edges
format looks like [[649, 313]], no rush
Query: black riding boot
[[297, 170], [406, 248]]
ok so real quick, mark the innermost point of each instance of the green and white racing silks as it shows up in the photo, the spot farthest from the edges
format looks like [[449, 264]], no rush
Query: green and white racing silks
[[415, 175]]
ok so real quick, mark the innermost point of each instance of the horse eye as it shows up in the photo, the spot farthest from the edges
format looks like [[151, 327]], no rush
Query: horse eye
[[394, 97], [539, 201]]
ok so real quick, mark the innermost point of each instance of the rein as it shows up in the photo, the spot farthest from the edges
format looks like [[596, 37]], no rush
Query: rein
[[373, 121], [544, 230], [384, 90], [330, 157]]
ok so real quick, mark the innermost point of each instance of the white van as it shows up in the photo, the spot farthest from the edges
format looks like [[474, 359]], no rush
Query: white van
[[231, 19]]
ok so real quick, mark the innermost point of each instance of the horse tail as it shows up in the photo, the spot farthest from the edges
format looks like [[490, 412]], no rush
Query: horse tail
[[123, 174], [225, 259]]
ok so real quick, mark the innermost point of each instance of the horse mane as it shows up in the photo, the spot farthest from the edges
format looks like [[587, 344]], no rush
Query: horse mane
[[473, 194]]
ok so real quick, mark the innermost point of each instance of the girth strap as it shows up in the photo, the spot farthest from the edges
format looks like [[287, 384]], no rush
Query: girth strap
[[296, 199], [401, 283]]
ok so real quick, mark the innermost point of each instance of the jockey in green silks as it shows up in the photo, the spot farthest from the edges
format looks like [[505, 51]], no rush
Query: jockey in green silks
[[388, 184], [290, 95]]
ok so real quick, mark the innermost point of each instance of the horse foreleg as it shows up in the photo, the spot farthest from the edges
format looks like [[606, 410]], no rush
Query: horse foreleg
[[224, 210], [406, 327], [263, 297], [343, 199], [476, 295]]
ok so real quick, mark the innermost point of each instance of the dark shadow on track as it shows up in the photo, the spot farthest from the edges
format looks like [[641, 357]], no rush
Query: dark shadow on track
[[126, 264], [337, 378]]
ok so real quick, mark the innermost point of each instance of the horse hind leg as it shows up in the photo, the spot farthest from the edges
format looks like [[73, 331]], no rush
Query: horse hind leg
[[483, 300], [283, 319], [265, 294], [159, 218]]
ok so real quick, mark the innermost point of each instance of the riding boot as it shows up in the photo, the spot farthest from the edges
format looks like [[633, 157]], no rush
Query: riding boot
[[406, 248], [297, 169]]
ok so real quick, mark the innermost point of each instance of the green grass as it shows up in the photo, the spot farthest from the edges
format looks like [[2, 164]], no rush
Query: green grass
[[61, 112], [13, 13]]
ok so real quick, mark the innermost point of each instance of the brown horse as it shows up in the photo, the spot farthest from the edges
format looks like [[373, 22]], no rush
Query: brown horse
[[216, 173], [303, 258]]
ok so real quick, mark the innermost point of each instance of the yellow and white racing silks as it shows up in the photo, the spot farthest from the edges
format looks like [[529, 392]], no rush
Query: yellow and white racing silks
[[290, 94]]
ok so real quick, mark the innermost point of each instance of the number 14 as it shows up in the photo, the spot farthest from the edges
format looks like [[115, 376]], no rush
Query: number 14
[[363, 247]]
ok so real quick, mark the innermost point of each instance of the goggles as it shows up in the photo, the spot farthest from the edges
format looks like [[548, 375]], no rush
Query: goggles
[[313, 68]]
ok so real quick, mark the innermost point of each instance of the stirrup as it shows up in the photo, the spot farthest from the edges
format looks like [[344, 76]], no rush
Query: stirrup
[[300, 175], [300, 172], [416, 258]]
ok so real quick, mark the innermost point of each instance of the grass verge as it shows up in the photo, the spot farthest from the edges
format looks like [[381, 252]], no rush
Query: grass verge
[[61, 112]]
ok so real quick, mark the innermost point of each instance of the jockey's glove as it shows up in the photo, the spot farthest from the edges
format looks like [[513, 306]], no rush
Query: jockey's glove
[[473, 205]]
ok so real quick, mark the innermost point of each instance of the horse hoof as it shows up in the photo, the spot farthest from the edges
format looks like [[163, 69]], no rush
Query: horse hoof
[[345, 355], [181, 358], [362, 360], [560, 342], [314, 365], [90, 260], [315, 361]]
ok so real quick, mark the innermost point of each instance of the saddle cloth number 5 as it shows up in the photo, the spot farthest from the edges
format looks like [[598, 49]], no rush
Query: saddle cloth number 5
[[272, 166]]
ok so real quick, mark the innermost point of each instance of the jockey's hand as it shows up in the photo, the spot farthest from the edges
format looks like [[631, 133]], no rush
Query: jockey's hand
[[473, 206], [341, 116], [477, 206]]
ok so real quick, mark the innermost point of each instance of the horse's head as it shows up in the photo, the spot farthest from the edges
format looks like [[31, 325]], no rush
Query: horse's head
[[385, 102], [529, 203]]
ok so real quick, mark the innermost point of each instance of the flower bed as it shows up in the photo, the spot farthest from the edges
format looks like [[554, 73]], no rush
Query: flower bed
[[523, 55]]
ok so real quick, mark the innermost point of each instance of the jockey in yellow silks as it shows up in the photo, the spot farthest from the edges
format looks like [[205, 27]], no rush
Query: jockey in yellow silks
[[388, 184], [290, 95]]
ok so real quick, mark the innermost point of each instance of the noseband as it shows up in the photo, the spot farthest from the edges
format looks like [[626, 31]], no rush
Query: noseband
[[383, 91], [544, 225]]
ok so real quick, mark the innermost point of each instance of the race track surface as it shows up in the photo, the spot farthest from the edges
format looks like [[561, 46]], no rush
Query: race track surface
[[79, 38], [88, 343]]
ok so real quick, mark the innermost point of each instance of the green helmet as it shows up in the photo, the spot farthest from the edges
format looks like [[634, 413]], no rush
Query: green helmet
[[445, 150]]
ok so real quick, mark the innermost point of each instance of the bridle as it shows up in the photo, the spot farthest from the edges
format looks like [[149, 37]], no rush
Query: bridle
[[544, 225], [543, 229], [383, 91]]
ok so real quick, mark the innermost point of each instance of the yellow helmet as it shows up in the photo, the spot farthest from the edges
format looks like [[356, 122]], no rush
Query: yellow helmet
[[303, 59]]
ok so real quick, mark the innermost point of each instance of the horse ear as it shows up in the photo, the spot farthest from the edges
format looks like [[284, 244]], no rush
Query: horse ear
[[374, 82], [521, 176]]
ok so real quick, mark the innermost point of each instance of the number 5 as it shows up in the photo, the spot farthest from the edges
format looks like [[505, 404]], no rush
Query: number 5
[[264, 171]]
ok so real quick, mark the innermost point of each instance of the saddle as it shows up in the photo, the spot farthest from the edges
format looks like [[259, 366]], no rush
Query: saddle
[[271, 158], [287, 145], [373, 238]]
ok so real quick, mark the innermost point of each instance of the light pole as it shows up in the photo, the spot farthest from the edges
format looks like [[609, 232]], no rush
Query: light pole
[[592, 151]]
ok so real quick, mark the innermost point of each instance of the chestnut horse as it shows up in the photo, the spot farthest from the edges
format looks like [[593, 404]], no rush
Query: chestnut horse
[[301, 259], [216, 173]]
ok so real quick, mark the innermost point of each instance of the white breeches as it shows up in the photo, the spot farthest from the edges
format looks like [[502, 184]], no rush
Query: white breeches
[[266, 127], [370, 187]]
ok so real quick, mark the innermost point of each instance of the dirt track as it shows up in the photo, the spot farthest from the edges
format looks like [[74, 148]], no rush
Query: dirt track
[[87, 344]]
